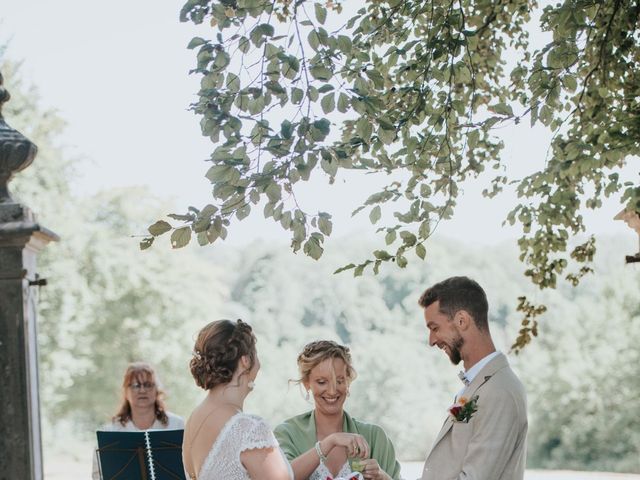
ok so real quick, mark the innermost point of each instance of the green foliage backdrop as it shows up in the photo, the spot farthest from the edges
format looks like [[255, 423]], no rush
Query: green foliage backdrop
[[107, 304], [416, 90]]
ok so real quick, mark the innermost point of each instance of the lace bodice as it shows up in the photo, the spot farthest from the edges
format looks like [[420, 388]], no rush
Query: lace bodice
[[322, 472], [241, 432]]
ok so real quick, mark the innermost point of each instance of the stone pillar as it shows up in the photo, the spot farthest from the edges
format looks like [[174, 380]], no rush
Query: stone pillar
[[21, 238]]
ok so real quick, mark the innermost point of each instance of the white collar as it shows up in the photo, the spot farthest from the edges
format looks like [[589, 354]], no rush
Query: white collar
[[473, 371]]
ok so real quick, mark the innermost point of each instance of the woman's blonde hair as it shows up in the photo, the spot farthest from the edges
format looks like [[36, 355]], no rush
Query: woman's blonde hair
[[315, 353]]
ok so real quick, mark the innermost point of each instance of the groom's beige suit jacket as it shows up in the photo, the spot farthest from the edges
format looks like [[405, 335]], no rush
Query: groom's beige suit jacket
[[492, 446]]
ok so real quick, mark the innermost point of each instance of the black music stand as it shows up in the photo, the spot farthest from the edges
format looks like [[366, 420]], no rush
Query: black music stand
[[145, 455]]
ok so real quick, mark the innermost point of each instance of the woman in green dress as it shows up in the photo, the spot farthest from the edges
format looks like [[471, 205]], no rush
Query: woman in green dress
[[321, 442]]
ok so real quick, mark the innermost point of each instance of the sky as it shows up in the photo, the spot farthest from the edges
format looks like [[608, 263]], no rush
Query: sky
[[117, 72]]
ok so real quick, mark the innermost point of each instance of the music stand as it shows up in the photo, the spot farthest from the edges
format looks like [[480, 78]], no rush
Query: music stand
[[145, 455]]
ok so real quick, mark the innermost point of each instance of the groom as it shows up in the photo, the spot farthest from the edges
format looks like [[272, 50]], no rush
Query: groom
[[484, 438]]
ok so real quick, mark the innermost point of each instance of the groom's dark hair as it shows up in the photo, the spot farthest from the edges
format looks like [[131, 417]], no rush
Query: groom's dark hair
[[459, 293]]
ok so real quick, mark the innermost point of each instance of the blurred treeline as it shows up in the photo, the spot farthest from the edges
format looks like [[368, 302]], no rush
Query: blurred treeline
[[108, 304]]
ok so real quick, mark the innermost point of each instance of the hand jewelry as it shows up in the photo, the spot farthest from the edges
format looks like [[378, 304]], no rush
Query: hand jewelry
[[321, 456]]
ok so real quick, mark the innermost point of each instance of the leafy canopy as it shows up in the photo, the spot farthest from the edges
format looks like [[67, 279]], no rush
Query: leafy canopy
[[415, 89]]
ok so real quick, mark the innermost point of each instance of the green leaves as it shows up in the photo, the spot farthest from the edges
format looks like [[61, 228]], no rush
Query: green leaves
[[196, 42], [364, 129], [244, 44], [343, 103], [376, 78], [328, 103], [344, 44], [324, 224], [314, 39], [422, 99], [290, 67], [223, 173], [382, 255], [146, 243], [258, 34], [321, 13], [312, 247], [233, 83], [375, 214], [529, 323], [181, 237], [296, 95], [286, 129], [221, 60], [159, 228], [321, 126], [502, 109], [320, 72]]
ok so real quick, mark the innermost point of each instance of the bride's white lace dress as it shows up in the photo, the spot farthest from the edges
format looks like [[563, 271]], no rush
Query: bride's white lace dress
[[322, 472], [241, 432]]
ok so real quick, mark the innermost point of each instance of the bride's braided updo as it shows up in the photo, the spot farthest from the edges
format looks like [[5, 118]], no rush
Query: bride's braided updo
[[217, 352]]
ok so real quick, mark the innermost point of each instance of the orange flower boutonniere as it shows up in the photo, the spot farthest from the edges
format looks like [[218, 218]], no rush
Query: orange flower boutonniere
[[463, 409]]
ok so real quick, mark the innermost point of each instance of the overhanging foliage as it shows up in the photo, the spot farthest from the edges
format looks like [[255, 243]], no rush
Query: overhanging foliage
[[416, 89]]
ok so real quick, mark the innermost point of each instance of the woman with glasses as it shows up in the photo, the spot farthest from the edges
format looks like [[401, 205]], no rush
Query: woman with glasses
[[142, 406]]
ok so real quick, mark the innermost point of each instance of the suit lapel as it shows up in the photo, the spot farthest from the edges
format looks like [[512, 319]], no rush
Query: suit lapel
[[496, 364], [488, 371], [446, 426]]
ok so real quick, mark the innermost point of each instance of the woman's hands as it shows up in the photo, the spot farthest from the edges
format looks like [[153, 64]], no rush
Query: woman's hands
[[355, 445], [372, 471]]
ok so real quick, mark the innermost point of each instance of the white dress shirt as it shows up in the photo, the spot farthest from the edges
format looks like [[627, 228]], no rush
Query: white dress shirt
[[472, 373]]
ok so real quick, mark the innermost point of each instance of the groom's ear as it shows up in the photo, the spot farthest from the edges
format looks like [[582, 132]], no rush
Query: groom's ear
[[463, 320]]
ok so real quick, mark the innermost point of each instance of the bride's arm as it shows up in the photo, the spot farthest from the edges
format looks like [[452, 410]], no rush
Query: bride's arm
[[304, 465], [265, 464]]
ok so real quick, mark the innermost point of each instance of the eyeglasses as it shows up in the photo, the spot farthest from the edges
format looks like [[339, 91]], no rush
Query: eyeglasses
[[140, 386]]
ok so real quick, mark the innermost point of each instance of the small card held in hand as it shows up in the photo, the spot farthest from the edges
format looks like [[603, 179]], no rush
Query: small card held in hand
[[148, 455]]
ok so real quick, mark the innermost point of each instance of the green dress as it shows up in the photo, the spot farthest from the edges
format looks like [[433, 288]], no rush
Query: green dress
[[298, 434]]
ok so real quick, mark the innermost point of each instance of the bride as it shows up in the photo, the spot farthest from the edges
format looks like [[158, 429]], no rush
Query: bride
[[220, 440]]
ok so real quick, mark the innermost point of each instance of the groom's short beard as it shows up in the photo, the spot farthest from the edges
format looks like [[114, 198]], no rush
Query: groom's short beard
[[454, 350]]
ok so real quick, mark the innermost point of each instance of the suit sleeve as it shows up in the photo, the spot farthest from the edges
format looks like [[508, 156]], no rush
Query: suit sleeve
[[497, 436]]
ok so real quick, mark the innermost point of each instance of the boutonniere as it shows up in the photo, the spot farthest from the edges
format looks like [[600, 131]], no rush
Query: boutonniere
[[463, 409]]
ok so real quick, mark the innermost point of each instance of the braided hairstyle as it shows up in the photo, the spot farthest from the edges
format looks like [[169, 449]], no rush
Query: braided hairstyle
[[217, 352]]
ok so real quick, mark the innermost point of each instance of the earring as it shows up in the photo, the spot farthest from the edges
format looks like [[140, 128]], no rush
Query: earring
[[251, 385], [306, 396]]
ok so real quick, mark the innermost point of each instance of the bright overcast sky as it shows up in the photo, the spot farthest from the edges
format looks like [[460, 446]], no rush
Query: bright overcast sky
[[117, 72]]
